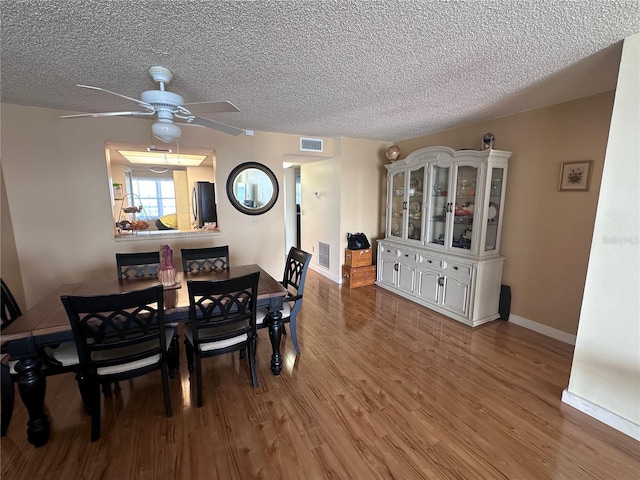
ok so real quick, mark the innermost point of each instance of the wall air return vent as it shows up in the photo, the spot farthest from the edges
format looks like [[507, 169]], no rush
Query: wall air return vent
[[324, 255], [311, 145]]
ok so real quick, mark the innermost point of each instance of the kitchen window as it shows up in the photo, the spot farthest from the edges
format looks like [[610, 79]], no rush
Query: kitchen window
[[155, 192]]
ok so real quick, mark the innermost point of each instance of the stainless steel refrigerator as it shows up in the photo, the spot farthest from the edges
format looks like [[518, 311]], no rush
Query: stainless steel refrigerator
[[203, 203]]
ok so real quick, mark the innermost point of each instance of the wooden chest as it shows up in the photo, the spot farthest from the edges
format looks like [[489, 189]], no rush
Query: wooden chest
[[353, 277], [357, 258]]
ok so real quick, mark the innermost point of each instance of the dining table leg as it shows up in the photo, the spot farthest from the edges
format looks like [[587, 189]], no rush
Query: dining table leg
[[32, 386], [275, 335]]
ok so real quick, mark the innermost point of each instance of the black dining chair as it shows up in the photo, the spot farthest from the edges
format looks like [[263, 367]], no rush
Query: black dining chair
[[222, 319], [8, 395], [10, 308], [206, 259], [10, 312], [295, 273], [119, 336], [209, 258], [146, 264], [140, 264], [59, 359]]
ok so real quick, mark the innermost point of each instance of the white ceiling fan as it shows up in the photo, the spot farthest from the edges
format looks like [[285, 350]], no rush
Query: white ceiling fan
[[169, 108]]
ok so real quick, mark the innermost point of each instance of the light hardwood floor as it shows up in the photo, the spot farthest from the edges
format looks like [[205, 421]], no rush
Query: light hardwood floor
[[384, 389]]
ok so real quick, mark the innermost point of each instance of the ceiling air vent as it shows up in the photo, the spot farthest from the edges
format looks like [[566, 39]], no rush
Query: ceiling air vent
[[311, 145]]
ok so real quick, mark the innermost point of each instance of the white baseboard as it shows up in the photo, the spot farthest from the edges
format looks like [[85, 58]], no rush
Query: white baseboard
[[543, 329], [325, 273], [605, 416]]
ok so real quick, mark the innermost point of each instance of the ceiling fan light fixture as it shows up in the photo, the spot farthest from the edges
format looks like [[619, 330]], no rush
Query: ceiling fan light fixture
[[164, 130]]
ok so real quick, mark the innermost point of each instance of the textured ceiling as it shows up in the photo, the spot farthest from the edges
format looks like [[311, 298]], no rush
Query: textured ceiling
[[385, 70]]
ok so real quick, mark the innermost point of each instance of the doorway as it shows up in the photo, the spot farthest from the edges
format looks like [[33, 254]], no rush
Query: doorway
[[292, 189]]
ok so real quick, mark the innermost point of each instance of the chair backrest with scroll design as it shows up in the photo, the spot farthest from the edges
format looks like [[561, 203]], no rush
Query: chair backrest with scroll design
[[209, 258], [295, 271], [141, 264]]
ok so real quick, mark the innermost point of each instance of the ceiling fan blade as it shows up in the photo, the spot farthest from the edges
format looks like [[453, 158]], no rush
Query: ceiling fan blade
[[210, 107], [110, 114], [205, 122], [139, 102]]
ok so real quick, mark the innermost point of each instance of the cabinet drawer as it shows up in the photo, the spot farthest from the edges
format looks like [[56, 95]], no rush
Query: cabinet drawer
[[408, 257], [430, 262], [357, 258], [353, 277], [461, 269], [392, 253], [389, 253]]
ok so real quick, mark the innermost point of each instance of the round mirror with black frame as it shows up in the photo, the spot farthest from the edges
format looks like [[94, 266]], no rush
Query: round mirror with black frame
[[252, 188]]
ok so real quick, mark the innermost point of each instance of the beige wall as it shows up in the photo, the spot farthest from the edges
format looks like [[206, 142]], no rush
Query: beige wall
[[547, 233], [364, 173], [349, 188], [320, 214]]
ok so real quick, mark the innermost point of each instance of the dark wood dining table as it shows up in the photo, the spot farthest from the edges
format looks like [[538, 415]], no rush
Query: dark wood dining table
[[46, 323]]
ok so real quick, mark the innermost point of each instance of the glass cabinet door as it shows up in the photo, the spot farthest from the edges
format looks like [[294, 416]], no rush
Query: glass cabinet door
[[414, 204], [448, 202], [397, 201], [496, 176], [463, 207], [437, 214]]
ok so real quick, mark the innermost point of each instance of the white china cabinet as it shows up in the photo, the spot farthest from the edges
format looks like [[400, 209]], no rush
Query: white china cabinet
[[444, 220]]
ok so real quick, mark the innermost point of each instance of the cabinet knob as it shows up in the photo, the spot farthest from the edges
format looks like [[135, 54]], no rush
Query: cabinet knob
[[455, 268]]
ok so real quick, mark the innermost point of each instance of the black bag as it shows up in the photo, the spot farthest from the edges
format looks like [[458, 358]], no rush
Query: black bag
[[357, 241]]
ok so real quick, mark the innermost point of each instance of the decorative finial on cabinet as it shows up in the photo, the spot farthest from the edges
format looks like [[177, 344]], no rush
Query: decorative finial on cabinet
[[393, 153], [488, 139]]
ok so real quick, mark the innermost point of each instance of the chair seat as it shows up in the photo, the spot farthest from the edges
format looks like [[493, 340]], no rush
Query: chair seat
[[12, 367], [127, 367], [66, 354], [126, 351], [262, 313], [216, 331]]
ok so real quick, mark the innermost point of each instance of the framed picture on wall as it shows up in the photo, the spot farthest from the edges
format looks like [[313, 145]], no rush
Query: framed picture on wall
[[575, 176]]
